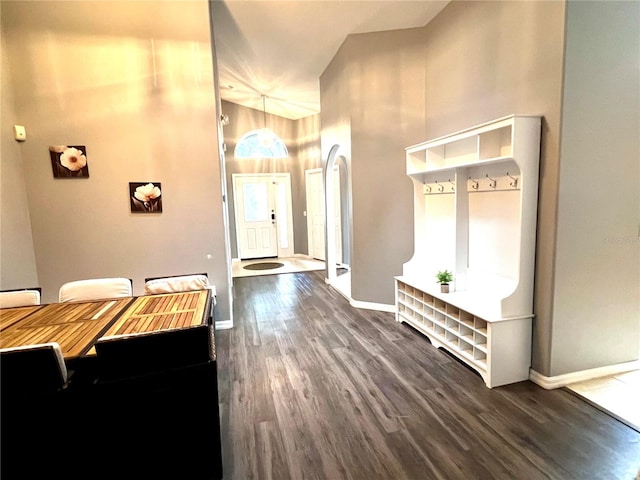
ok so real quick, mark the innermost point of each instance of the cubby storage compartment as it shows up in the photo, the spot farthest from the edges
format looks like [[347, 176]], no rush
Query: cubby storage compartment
[[495, 143], [466, 334], [480, 325], [475, 198], [486, 144], [498, 349]]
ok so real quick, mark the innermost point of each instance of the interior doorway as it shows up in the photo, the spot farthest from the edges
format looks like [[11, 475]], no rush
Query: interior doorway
[[263, 215], [337, 184], [316, 214]]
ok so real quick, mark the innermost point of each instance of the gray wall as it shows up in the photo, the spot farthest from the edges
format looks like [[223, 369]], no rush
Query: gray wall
[[142, 102], [302, 138], [17, 258], [385, 114], [308, 156], [596, 306]]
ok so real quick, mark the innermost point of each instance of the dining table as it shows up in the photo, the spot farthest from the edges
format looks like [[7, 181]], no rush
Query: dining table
[[150, 410], [162, 311], [76, 326]]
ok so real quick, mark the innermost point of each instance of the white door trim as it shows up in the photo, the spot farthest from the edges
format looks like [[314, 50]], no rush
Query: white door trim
[[329, 175]]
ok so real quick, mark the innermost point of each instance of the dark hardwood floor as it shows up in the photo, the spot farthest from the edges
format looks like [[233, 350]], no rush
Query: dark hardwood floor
[[312, 388]]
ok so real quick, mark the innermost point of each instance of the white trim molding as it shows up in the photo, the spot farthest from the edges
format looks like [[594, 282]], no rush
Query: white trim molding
[[565, 379], [224, 324], [383, 307]]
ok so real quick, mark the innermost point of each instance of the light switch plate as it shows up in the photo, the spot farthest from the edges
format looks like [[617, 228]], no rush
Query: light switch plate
[[19, 133]]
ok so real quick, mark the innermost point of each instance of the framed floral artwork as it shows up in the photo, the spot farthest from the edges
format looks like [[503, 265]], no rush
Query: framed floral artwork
[[145, 197], [69, 161]]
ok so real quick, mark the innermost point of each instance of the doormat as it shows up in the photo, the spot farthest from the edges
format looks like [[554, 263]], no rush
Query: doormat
[[263, 266]]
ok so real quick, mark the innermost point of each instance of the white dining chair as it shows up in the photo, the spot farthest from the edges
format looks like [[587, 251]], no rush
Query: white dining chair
[[176, 283], [181, 283], [19, 298], [95, 289]]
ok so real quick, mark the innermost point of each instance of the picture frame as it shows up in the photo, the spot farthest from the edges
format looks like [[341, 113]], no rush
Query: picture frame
[[69, 161], [145, 197]]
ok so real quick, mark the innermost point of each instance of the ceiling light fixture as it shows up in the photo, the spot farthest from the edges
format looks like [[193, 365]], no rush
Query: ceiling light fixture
[[261, 143]]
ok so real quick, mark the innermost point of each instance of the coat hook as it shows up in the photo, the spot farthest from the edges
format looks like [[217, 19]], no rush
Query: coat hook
[[427, 188], [440, 187], [492, 181], [475, 183], [514, 180], [453, 186]]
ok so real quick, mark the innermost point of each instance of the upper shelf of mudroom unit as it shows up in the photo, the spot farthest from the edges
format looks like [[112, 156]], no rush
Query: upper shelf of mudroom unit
[[449, 170], [482, 145]]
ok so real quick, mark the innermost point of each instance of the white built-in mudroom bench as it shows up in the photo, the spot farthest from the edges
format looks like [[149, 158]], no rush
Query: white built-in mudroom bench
[[475, 197]]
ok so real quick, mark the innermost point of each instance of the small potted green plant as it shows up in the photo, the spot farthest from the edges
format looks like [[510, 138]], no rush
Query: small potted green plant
[[444, 278]]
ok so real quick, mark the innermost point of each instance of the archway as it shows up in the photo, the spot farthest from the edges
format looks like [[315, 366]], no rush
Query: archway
[[342, 283]]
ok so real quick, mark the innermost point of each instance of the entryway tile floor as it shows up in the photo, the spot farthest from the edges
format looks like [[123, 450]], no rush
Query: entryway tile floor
[[298, 263], [618, 395]]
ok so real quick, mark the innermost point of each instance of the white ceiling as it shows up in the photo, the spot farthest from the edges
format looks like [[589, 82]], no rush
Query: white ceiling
[[280, 48]]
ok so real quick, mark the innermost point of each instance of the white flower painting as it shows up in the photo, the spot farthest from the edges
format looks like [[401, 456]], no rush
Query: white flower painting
[[146, 197], [69, 161]]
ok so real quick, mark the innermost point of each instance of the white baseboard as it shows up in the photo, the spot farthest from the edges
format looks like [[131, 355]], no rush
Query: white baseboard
[[224, 324], [558, 381], [302, 255], [383, 307]]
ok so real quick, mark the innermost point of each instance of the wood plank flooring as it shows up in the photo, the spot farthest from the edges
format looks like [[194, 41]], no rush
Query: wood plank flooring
[[312, 388]]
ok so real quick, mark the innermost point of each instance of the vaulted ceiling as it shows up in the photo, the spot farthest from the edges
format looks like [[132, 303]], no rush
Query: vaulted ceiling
[[279, 49]]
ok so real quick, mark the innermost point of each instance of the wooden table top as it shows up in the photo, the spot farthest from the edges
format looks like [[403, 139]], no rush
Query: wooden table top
[[160, 312], [9, 316], [75, 326]]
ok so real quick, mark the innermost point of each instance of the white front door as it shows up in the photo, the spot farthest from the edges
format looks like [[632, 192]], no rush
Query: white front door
[[263, 215]]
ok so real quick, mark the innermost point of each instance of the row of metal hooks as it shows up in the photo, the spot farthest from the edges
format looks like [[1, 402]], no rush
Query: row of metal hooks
[[493, 183], [439, 187], [486, 183]]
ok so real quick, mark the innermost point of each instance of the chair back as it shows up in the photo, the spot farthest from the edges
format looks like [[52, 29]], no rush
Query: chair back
[[20, 297], [176, 283], [35, 413], [95, 289], [132, 355], [32, 369]]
